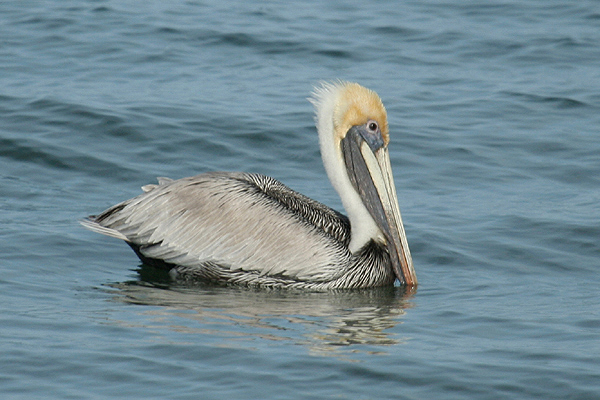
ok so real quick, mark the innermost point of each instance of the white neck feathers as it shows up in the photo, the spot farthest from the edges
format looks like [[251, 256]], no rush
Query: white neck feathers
[[330, 100]]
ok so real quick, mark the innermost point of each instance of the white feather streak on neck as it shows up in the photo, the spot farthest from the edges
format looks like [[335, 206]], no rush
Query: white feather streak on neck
[[326, 100]]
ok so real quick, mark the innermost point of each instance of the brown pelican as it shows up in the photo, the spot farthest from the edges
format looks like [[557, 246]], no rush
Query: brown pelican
[[250, 229]]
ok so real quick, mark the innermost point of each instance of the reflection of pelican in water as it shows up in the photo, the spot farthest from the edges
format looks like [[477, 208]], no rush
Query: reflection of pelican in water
[[251, 229], [324, 322]]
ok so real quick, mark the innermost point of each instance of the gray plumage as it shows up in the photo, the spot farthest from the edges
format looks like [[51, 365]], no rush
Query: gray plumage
[[245, 229]]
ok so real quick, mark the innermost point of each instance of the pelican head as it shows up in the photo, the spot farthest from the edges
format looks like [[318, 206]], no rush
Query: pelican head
[[354, 136]]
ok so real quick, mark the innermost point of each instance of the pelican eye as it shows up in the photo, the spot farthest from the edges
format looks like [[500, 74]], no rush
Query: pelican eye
[[372, 126]]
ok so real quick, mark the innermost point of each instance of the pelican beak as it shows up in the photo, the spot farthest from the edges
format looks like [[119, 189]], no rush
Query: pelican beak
[[368, 166]]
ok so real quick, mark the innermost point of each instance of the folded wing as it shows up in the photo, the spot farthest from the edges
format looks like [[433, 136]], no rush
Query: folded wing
[[225, 223]]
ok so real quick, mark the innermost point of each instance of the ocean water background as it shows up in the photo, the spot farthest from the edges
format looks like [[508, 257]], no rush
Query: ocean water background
[[494, 111]]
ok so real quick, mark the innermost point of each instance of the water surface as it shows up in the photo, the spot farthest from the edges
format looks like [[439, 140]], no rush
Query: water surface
[[494, 112]]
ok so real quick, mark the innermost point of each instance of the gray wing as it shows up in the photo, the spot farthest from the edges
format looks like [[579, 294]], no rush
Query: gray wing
[[238, 222]]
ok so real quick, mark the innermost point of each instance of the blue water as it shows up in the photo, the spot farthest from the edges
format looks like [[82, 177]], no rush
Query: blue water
[[494, 111]]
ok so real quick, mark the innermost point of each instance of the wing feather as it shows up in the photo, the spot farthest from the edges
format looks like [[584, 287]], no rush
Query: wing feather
[[233, 222]]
